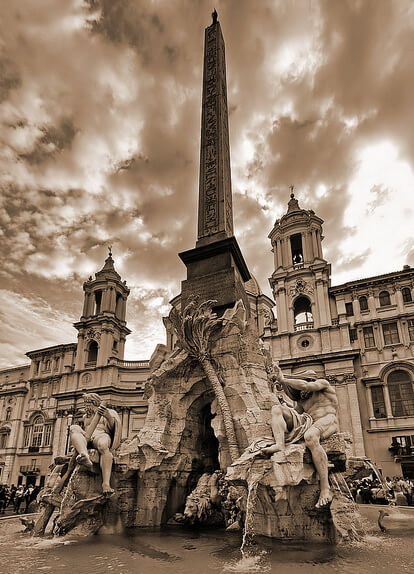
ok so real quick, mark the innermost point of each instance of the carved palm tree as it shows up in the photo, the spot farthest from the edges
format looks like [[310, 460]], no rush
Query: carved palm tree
[[194, 328]]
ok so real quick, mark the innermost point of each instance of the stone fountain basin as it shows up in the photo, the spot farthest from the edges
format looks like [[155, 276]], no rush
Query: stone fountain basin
[[400, 517]]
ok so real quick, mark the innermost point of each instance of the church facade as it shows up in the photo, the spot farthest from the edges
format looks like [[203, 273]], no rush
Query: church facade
[[359, 335], [39, 401]]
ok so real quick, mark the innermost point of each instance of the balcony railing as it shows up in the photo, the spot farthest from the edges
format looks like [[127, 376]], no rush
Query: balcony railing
[[304, 326], [298, 266], [29, 469], [129, 364]]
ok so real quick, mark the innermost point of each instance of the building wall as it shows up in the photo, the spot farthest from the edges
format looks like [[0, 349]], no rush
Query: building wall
[[334, 339]]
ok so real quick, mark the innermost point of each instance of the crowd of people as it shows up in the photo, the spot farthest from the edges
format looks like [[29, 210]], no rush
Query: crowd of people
[[396, 490], [17, 498]]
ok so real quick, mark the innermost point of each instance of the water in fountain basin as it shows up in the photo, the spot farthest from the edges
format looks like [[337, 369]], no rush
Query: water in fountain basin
[[212, 552]]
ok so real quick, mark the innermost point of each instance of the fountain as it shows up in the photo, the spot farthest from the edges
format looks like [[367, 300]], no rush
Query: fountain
[[196, 460]]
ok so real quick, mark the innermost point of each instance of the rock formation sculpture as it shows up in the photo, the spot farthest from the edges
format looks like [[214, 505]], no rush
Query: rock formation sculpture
[[194, 329], [73, 485]]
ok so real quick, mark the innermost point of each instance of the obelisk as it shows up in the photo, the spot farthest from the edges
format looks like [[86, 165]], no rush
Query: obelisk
[[215, 212], [215, 268]]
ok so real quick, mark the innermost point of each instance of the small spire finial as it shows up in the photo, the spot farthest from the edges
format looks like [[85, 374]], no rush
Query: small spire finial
[[292, 188], [110, 250], [214, 15]]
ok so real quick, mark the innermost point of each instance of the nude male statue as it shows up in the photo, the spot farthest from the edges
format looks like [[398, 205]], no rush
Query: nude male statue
[[313, 418], [105, 436]]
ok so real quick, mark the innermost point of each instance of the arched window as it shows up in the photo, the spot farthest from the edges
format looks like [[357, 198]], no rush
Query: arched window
[[384, 299], [400, 388], [406, 294], [92, 352], [302, 312], [363, 303], [37, 433]]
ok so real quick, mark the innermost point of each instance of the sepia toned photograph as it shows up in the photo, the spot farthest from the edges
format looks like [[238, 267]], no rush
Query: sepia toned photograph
[[207, 286]]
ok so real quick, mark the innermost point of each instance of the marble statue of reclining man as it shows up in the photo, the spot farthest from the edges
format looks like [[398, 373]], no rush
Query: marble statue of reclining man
[[314, 418]]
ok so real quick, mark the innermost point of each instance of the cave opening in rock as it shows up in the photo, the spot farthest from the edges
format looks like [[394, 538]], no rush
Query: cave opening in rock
[[199, 443]]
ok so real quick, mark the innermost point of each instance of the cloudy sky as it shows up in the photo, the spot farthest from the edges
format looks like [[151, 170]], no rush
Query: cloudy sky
[[99, 144]]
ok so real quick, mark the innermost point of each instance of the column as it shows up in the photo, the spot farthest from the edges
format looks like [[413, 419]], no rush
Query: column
[[287, 258], [371, 303], [319, 243], [387, 401], [275, 255], [106, 299], [282, 320], [85, 305], [113, 299], [370, 406], [90, 303], [399, 299], [357, 433], [57, 442], [306, 247], [123, 308], [321, 302], [314, 244], [279, 252]]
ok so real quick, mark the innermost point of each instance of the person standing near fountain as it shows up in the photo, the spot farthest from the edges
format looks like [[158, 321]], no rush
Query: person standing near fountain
[[314, 418], [104, 437]]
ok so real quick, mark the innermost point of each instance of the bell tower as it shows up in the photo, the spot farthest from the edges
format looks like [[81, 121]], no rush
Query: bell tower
[[301, 277], [102, 327]]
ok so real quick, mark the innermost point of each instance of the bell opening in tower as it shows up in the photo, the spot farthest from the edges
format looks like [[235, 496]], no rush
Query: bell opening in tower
[[296, 249], [302, 312], [98, 300]]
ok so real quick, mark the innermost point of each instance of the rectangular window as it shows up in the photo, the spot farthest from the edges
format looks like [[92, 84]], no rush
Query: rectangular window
[[37, 435], [411, 329], [390, 331], [47, 435], [369, 340], [378, 403], [401, 397], [26, 436], [349, 309], [353, 335], [3, 440]]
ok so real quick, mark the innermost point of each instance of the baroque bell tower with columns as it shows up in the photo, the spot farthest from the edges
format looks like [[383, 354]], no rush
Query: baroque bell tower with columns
[[102, 329], [301, 278]]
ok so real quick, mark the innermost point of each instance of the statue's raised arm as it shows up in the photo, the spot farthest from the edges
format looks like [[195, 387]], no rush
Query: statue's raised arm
[[317, 399], [102, 432]]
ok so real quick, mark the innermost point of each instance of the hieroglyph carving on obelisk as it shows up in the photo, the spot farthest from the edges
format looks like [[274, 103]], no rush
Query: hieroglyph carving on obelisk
[[215, 214]]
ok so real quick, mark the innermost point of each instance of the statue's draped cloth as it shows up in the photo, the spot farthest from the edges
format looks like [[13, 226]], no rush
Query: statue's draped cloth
[[301, 423]]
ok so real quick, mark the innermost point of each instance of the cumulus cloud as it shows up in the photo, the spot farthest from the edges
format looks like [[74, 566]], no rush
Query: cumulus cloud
[[99, 141]]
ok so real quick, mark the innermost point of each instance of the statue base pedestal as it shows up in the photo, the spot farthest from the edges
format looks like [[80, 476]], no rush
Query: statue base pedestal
[[279, 494]]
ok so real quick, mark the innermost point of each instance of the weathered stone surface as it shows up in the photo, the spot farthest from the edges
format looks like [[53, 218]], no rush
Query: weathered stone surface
[[287, 491]]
